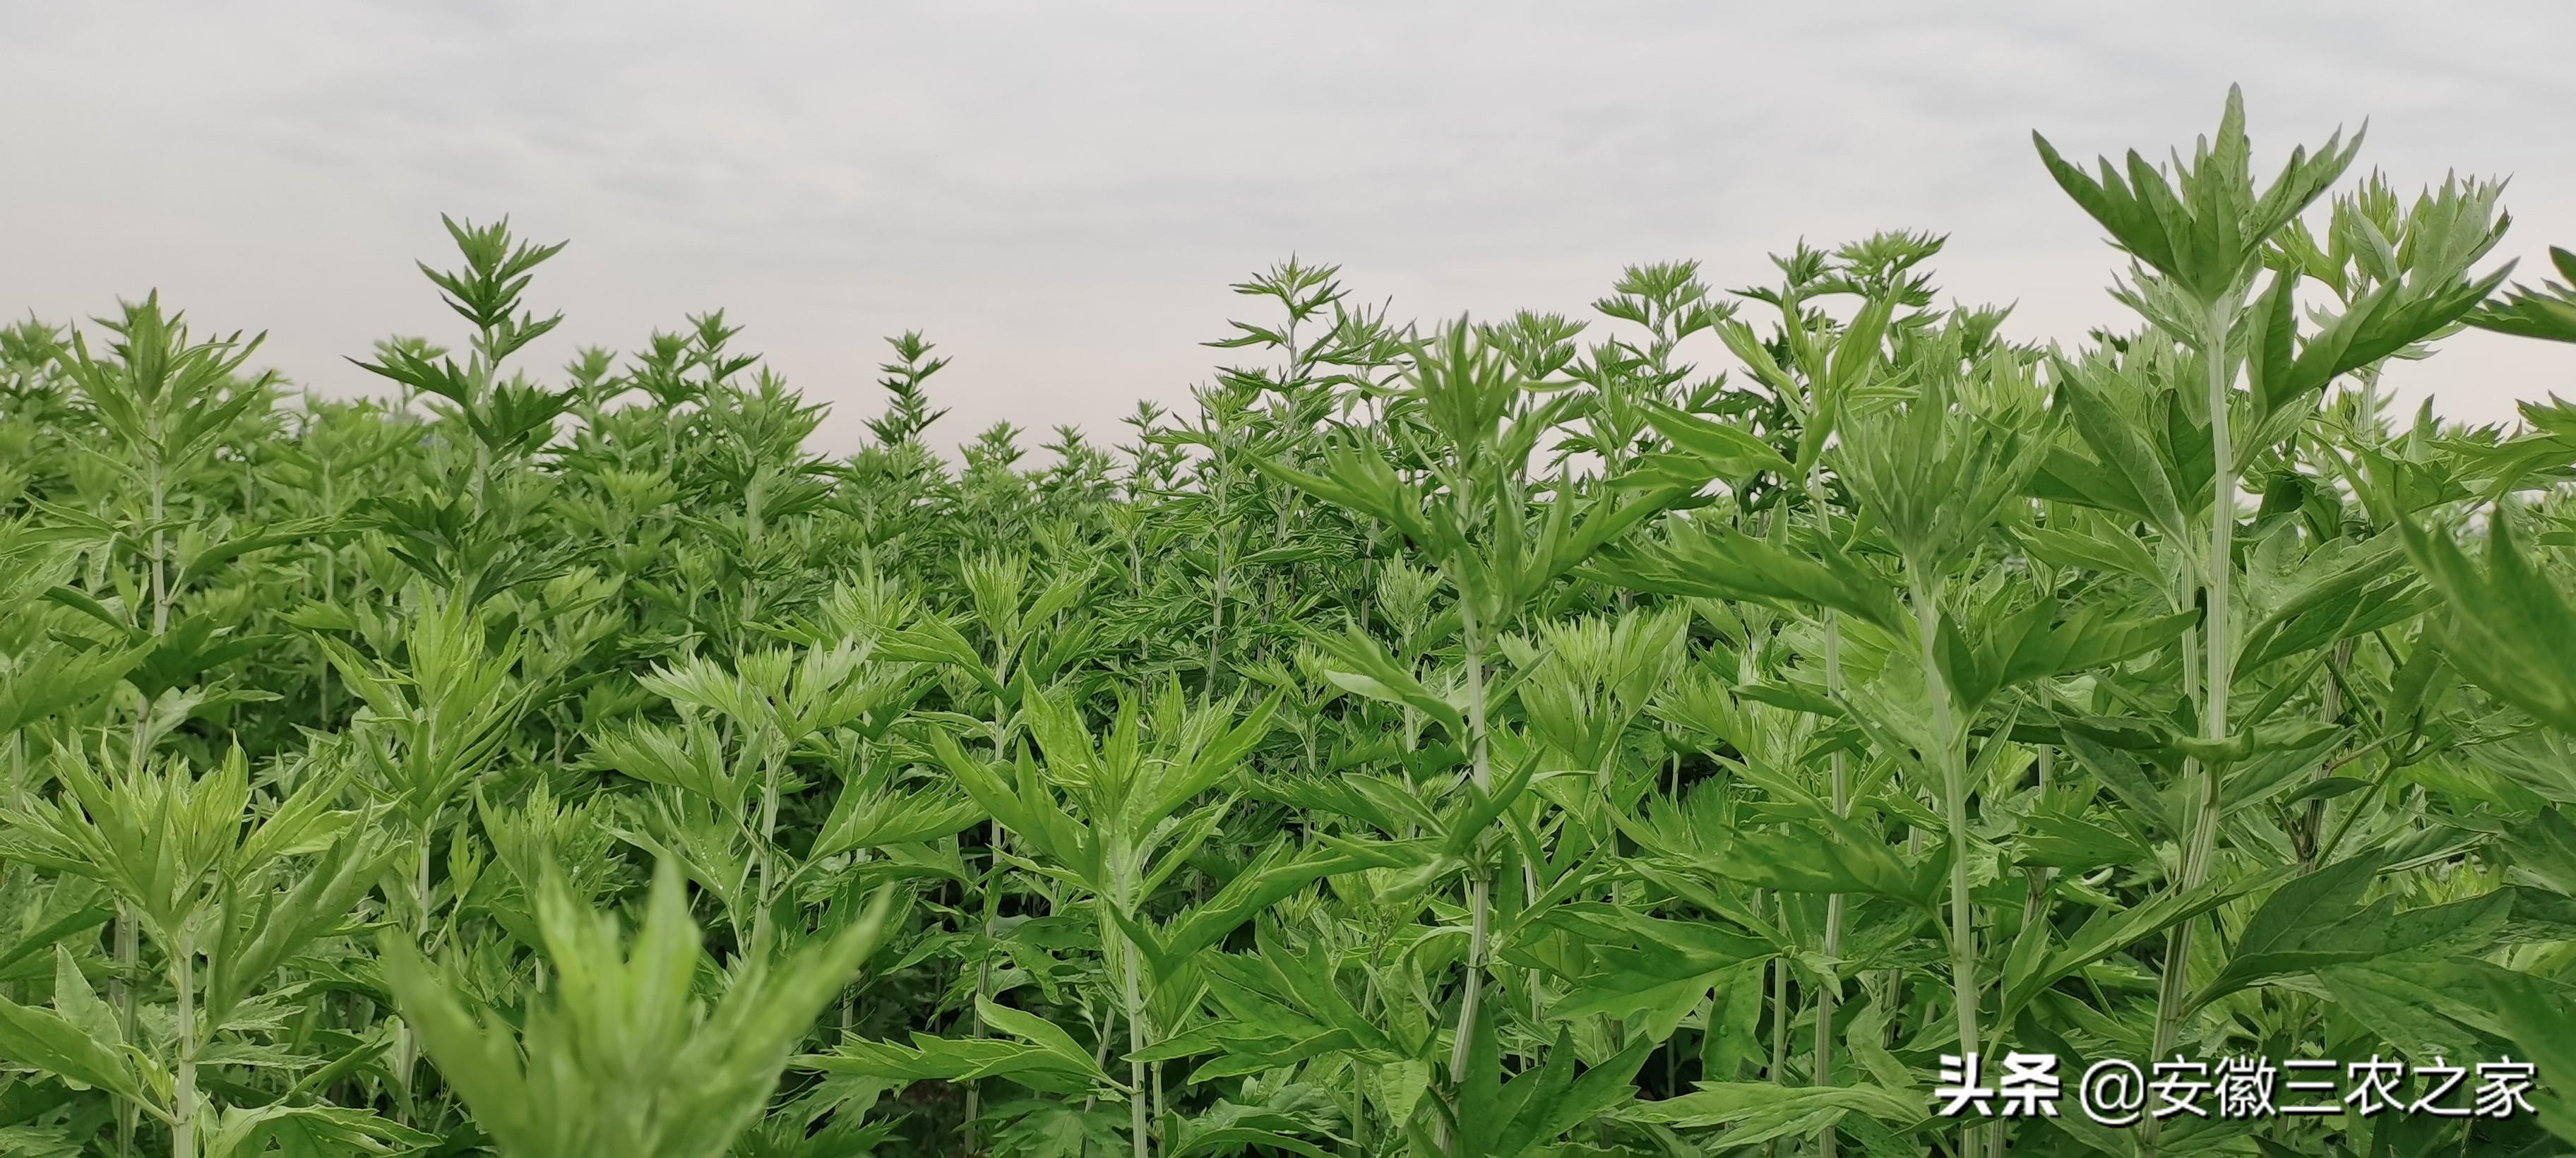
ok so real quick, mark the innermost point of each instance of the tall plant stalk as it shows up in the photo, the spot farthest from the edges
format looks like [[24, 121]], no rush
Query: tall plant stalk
[[129, 940], [183, 1097], [2173, 991], [1954, 806], [1139, 1129], [1480, 884], [1838, 776], [2217, 566]]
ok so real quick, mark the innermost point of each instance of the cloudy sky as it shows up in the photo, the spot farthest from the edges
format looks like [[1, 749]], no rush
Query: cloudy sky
[[1059, 193]]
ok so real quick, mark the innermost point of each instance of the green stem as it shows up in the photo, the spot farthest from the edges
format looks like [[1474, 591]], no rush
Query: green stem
[[768, 842], [2388, 766], [984, 961], [1828, 994], [1954, 785], [129, 957], [2218, 564], [1218, 586], [2331, 711], [2036, 906], [183, 1097], [406, 1049], [1479, 888], [2221, 562], [129, 943], [1138, 1129]]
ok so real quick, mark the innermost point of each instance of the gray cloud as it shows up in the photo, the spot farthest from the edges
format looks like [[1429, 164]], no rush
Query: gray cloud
[[1059, 194]]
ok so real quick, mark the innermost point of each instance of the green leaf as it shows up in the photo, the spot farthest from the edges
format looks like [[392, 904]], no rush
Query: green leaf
[[1711, 562], [1361, 666], [2511, 630], [2548, 313], [2540, 1022], [1761, 1111], [2111, 931], [2122, 448], [1824, 856], [247, 1131], [2293, 931], [41, 1039], [1036, 1030], [1729, 452]]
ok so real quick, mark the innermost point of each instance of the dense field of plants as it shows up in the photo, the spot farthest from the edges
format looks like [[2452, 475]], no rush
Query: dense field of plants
[[1479, 739]]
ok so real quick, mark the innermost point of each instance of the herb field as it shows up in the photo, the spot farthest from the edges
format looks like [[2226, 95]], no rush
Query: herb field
[[1493, 737]]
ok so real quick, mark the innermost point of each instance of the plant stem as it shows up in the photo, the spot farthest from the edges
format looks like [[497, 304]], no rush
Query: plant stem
[[183, 1097], [2036, 907], [2222, 563], [1138, 1130], [129, 942], [129, 956], [1954, 791], [1479, 887], [406, 1049], [765, 851], [1829, 993], [1218, 585], [2217, 565], [2332, 710]]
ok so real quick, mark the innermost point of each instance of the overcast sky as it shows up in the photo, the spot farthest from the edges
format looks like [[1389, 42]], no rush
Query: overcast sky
[[1059, 193]]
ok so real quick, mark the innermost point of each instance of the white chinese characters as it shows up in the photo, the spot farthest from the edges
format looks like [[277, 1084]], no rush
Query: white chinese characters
[[2115, 1092]]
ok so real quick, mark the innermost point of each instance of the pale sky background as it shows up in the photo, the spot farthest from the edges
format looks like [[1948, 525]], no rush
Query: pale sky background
[[1059, 193]]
